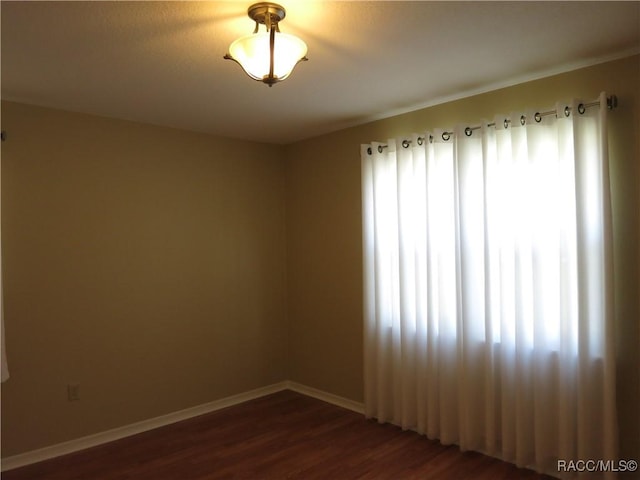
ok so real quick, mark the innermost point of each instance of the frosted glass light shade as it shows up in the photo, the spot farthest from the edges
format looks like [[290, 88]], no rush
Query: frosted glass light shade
[[252, 53]]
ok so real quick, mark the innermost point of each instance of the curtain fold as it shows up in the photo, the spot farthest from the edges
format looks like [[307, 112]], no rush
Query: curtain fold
[[488, 286]]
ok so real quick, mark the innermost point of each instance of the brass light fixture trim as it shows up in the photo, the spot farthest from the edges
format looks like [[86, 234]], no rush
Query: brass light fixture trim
[[266, 13]]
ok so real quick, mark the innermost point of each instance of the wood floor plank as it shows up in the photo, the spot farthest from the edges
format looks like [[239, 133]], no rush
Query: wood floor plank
[[281, 436]]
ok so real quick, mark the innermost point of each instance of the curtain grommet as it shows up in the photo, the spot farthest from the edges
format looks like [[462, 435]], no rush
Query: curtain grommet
[[581, 109], [405, 143], [420, 140], [567, 111], [537, 117], [506, 123], [446, 136], [523, 120], [468, 131]]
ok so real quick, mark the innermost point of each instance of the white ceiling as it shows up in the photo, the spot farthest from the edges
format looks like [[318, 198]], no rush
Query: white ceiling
[[161, 62]]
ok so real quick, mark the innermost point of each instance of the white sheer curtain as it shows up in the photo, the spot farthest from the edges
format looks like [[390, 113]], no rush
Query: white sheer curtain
[[488, 287]]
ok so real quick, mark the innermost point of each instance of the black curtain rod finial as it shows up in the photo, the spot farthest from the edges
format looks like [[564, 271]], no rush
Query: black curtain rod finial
[[3, 135]]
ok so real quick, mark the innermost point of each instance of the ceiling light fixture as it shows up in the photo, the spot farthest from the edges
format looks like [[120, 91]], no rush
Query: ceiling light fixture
[[265, 56]]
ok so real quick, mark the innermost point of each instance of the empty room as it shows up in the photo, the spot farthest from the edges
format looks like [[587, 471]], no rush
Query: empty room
[[320, 240]]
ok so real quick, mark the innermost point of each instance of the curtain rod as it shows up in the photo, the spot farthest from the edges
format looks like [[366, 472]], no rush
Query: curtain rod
[[612, 102]]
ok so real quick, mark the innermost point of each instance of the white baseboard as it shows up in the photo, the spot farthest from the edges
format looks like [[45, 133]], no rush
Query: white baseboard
[[82, 443], [326, 397], [34, 456]]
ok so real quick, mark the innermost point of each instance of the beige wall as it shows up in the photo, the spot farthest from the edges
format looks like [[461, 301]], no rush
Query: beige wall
[[149, 264], [324, 229], [144, 263]]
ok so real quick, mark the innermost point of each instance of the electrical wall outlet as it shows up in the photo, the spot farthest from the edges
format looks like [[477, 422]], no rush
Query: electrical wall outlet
[[73, 392]]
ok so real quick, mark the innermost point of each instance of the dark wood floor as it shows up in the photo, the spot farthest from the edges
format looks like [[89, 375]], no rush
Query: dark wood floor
[[280, 436]]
